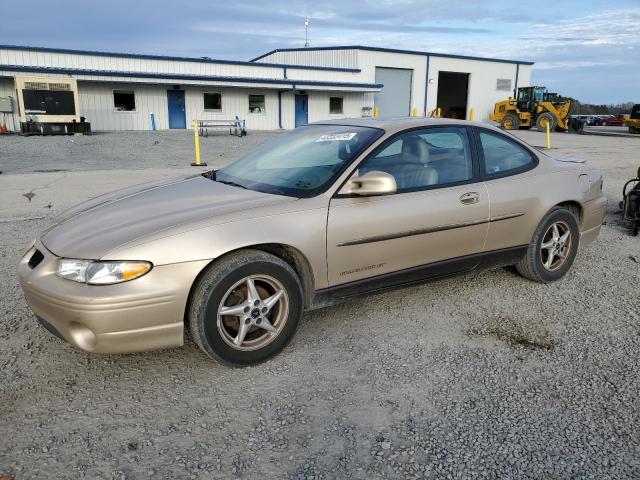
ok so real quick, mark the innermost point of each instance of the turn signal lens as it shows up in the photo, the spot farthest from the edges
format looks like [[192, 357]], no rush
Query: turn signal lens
[[101, 273]]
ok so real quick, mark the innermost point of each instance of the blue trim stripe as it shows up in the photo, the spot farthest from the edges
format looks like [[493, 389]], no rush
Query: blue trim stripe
[[393, 50], [170, 58], [110, 73]]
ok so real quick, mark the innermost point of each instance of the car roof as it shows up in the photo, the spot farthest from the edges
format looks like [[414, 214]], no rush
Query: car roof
[[394, 124]]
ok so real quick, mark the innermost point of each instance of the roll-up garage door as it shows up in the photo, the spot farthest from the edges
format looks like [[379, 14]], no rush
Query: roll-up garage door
[[394, 100]]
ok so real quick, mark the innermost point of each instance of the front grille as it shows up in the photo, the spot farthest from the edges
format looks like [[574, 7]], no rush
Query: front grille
[[35, 259]]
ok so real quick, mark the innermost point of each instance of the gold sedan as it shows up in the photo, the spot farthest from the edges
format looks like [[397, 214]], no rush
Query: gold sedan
[[320, 213]]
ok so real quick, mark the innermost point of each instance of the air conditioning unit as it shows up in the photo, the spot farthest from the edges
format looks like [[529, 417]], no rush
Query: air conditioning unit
[[49, 106]]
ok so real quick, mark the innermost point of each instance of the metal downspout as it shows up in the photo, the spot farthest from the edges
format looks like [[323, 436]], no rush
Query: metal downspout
[[426, 86], [280, 109]]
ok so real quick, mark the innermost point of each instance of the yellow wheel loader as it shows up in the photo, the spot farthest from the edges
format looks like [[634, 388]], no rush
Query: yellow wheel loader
[[633, 122], [533, 106]]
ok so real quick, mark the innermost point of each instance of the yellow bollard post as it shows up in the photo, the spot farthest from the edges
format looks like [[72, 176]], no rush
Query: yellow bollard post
[[375, 112], [472, 115], [413, 112], [548, 135], [438, 112], [196, 139]]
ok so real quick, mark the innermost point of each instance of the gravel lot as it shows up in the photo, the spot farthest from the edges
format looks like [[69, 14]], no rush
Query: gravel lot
[[481, 376]]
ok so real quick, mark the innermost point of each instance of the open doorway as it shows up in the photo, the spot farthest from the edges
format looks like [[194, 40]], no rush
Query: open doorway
[[453, 89]]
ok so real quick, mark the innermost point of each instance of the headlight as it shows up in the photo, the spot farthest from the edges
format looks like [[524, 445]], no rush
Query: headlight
[[101, 273]]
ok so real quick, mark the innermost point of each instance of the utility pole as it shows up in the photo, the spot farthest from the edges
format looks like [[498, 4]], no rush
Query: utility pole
[[306, 31]]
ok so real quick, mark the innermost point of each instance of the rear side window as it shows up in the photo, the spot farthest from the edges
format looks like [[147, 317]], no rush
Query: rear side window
[[502, 155]]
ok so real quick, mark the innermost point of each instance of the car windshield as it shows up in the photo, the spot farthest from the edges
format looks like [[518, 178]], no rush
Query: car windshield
[[300, 163]]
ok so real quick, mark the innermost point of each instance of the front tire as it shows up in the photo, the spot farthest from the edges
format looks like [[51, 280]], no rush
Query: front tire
[[544, 119], [245, 308], [553, 247], [510, 122]]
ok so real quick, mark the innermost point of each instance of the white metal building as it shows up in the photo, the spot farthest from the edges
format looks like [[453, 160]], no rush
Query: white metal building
[[281, 89], [420, 81]]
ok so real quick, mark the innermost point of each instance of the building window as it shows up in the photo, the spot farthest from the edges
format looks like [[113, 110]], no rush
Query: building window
[[256, 104], [124, 101], [503, 84], [213, 102], [335, 105]]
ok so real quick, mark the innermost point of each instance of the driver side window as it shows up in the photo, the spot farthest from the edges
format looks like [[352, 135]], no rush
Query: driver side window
[[426, 158]]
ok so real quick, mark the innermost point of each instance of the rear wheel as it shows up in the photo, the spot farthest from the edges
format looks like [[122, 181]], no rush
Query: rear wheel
[[553, 247], [545, 119], [245, 308], [510, 122], [634, 130]]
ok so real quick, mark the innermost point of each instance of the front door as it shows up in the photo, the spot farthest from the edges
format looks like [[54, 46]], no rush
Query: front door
[[175, 101], [302, 110], [434, 225]]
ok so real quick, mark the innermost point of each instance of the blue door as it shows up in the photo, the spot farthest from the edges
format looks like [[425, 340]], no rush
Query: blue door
[[175, 100], [302, 110]]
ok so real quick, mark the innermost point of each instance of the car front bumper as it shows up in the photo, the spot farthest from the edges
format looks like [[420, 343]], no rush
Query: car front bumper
[[143, 314]]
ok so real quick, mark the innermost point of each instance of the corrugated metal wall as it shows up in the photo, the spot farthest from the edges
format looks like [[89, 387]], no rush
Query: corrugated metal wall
[[129, 64], [234, 102], [319, 106], [323, 75], [96, 104], [318, 58]]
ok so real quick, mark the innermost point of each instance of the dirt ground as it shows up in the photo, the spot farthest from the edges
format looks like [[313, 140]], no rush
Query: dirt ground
[[481, 376]]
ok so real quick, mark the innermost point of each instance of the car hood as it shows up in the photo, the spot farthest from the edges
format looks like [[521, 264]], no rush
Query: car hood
[[93, 228]]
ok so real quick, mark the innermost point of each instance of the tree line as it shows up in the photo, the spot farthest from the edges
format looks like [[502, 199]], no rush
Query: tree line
[[579, 108]]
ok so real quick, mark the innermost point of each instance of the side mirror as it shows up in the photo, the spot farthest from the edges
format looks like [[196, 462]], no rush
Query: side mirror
[[371, 183]]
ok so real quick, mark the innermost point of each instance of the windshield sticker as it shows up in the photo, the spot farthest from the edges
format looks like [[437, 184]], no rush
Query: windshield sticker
[[336, 136]]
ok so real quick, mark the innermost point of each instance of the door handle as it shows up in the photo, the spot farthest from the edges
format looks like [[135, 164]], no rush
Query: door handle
[[469, 198]]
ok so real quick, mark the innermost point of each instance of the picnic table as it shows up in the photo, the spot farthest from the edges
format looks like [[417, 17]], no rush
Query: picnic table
[[235, 126]]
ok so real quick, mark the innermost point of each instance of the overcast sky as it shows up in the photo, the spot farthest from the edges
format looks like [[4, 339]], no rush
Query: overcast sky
[[587, 49]]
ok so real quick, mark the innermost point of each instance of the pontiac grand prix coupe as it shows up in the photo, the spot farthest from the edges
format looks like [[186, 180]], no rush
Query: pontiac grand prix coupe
[[323, 212]]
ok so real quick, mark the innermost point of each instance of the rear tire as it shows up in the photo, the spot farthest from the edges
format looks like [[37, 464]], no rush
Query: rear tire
[[262, 297], [541, 122], [510, 122], [549, 256]]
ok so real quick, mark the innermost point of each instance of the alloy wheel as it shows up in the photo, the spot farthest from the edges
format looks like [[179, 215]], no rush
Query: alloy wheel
[[556, 246], [253, 312]]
